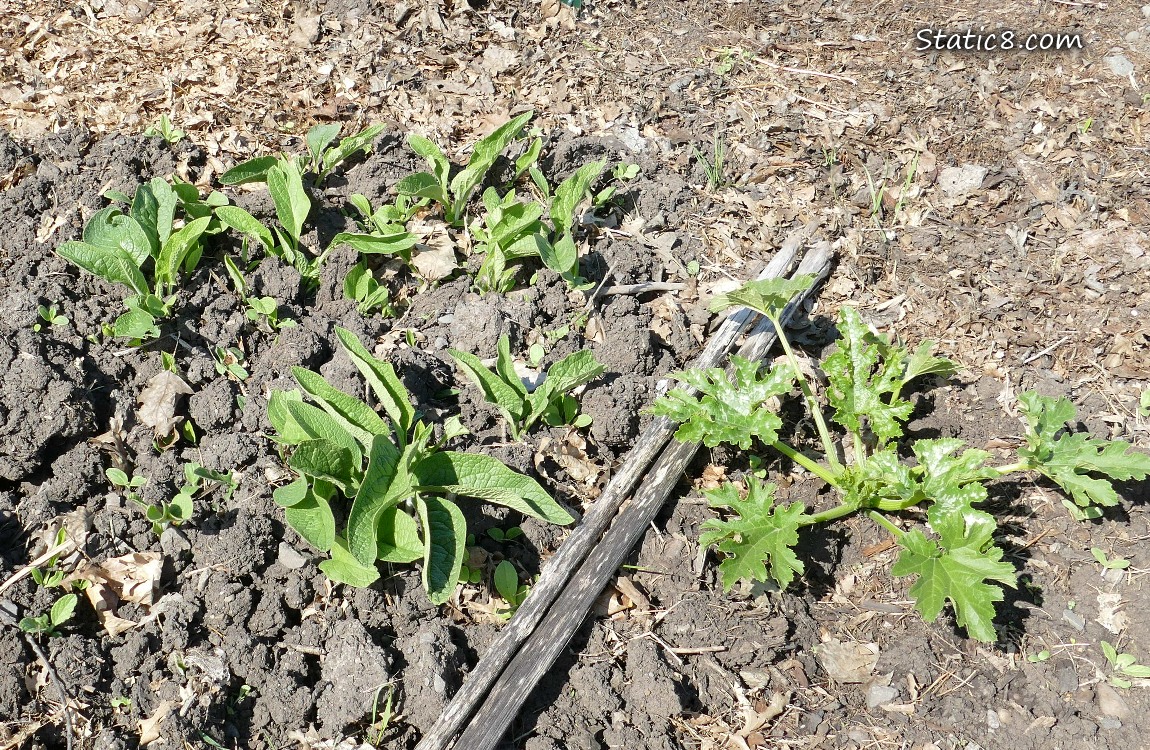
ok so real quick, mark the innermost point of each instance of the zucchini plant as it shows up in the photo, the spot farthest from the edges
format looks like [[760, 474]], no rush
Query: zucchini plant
[[393, 472], [954, 555]]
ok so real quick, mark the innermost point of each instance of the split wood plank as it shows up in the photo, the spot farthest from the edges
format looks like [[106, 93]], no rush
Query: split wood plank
[[571, 554]]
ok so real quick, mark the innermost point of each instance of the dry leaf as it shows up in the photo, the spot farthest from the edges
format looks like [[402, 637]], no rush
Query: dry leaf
[[498, 59], [306, 29], [847, 662], [158, 402], [150, 727], [434, 256], [132, 578]]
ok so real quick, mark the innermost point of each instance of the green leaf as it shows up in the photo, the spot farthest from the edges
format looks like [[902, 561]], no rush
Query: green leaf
[[865, 374], [959, 576], [136, 324], [758, 535], [564, 376], [289, 431], [114, 265], [292, 204], [292, 494], [395, 243], [528, 159], [385, 483], [244, 223], [562, 257], [146, 211], [399, 540], [392, 395], [361, 141], [922, 363], [252, 170], [483, 156], [422, 185], [766, 296], [954, 484], [1070, 459], [486, 478], [318, 424], [317, 139], [344, 568], [495, 390], [111, 230], [730, 410], [440, 166], [444, 533], [63, 609], [506, 580], [571, 193], [172, 255], [505, 366], [313, 520], [323, 459], [353, 415]]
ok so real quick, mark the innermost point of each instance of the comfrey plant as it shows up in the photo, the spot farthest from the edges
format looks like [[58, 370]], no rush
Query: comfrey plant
[[954, 556], [394, 472]]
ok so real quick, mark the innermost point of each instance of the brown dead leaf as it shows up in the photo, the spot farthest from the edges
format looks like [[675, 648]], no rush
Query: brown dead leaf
[[113, 442], [434, 255], [150, 727], [498, 59], [158, 402], [132, 578], [847, 662], [305, 31]]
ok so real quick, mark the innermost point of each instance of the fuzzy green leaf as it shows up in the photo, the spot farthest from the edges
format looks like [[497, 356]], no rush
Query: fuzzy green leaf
[[394, 243], [240, 220], [393, 397], [959, 576], [62, 609], [758, 540], [353, 415], [313, 520], [114, 265], [422, 185], [317, 139], [570, 194], [440, 166], [729, 411], [487, 478], [360, 141], [506, 580], [1070, 459], [110, 229], [179, 245], [495, 390], [292, 494], [287, 429], [344, 568], [318, 424], [566, 375], [323, 459], [483, 156], [252, 170], [291, 201], [399, 540], [445, 535], [385, 483]]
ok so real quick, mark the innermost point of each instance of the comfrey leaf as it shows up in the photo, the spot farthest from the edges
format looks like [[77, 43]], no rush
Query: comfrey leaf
[[1070, 460], [758, 539], [729, 411]]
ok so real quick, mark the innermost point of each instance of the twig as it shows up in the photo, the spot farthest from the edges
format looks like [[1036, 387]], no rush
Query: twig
[[586, 536], [650, 286], [803, 71], [1046, 351], [66, 546], [8, 618]]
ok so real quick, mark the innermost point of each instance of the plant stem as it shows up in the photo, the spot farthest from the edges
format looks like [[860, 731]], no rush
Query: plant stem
[[1012, 468], [829, 515], [885, 522], [812, 404], [815, 468]]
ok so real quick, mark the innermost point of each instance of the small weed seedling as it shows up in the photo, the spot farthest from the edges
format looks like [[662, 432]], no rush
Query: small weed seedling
[[550, 401], [51, 574], [453, 193], [321, 157], [144, 250], [1144, 403], [509, 534], [955, 559], [506, 581], [1109, 563], [50, 316], [715, 167], [396, 475], [166, 130], [230, 361], [1039, 657], [1123, 666], [49, 623], [265, 312]]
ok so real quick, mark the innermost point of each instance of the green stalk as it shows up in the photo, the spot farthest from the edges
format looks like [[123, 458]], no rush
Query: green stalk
[[815, 468], [1012, 468], [812, 404], [885, 522], [828, 515]]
